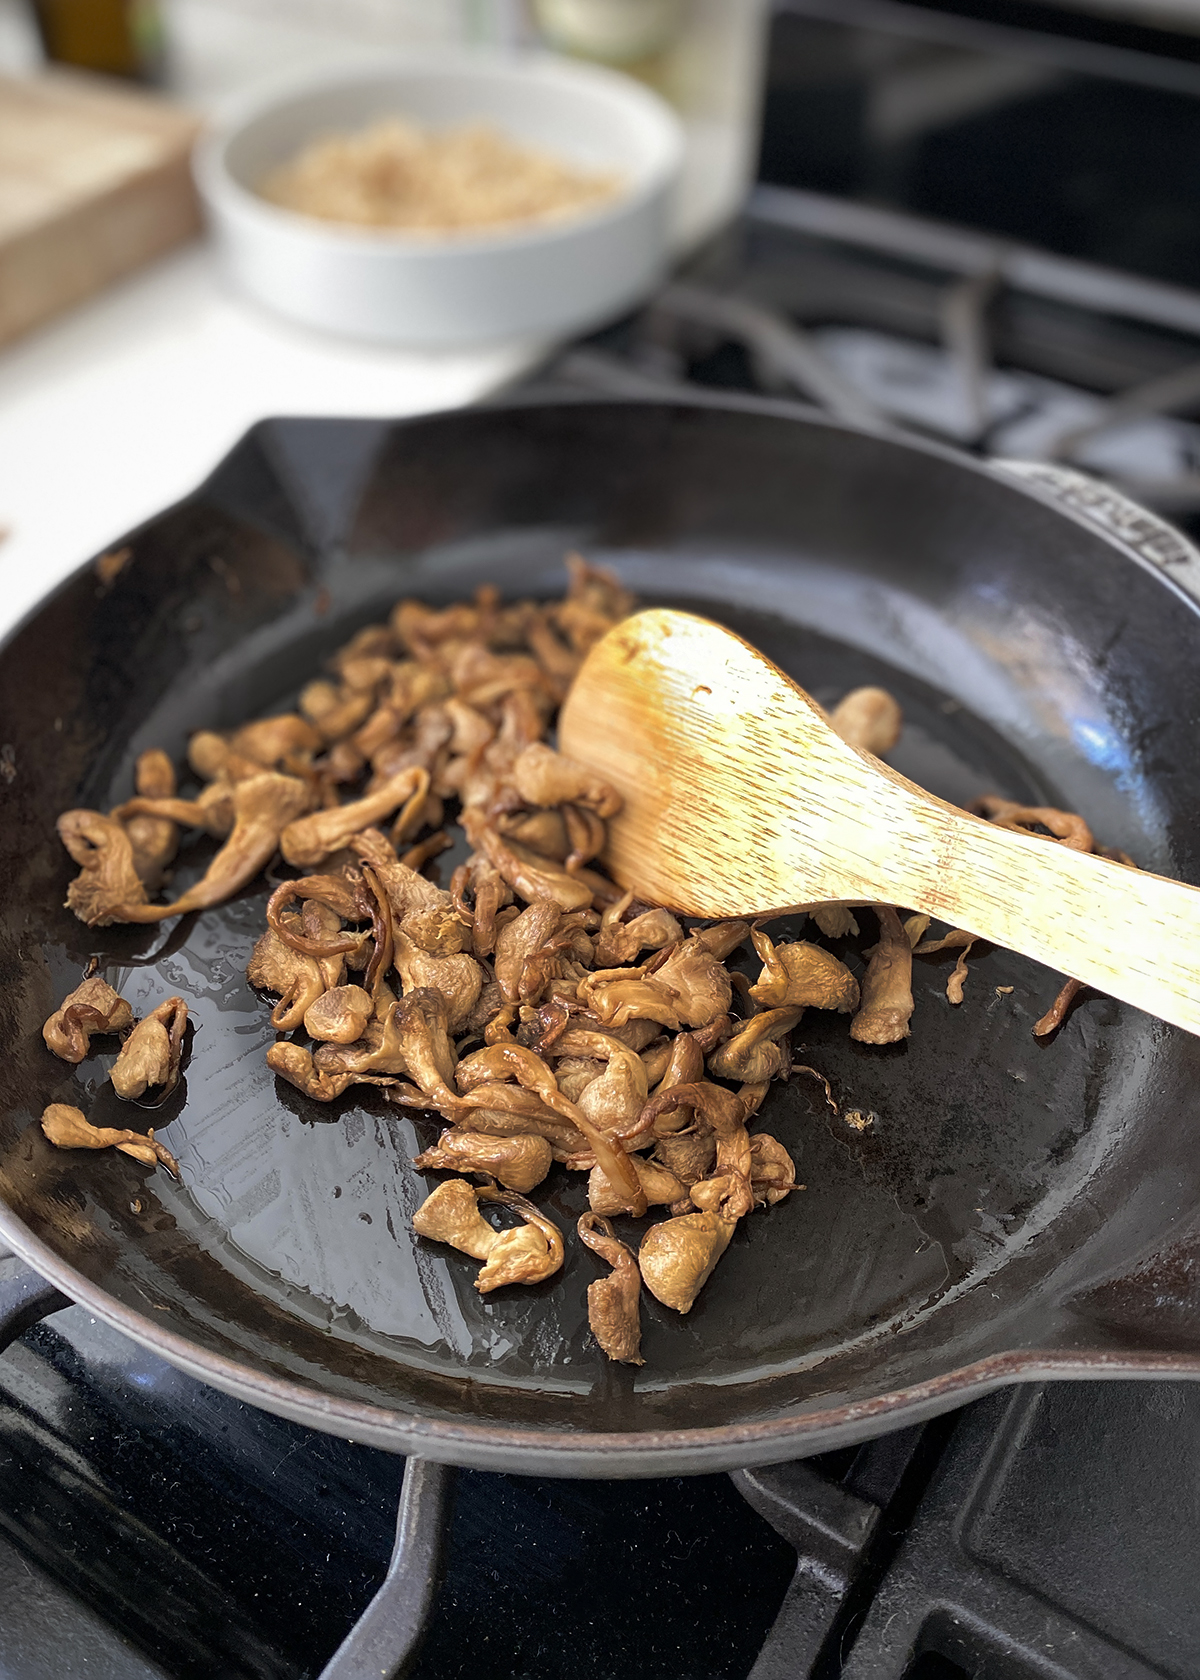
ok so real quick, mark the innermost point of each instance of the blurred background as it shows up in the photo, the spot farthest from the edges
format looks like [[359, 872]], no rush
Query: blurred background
[[975, 218]]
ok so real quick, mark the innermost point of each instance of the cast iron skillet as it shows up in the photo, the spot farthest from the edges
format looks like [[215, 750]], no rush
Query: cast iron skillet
[[1013, 1210]]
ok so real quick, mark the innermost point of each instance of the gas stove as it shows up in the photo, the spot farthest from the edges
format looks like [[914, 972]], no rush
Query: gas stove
[[152, 1528]]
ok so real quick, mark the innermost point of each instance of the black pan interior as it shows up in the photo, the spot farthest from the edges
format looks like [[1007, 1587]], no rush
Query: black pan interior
[[997, 1182]]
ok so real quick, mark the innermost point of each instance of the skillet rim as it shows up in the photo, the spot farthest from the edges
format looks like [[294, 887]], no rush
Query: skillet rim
[[519, 1448]]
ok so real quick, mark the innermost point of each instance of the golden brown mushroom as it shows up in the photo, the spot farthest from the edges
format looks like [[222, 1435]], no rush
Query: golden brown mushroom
[[263, 805], [613, 1301], [68, 1128], [772, 1170], [528, 1254], [887, 1000], [458, 978], [869, 719], [339, 1015], [677, 1258], [93, 1007], [754, 1053], [530, 876], [108, 881], [955, 940], [275, 966], [695, 972], [295, 1064], [621, 942], [545, 777], [834, 920], [154, 839], [526, 957], [519, 1163], [1057, 1012], [310, 840], [659, 1186], [800, 975], [1065, 826], [275, 742], [151, 1055]]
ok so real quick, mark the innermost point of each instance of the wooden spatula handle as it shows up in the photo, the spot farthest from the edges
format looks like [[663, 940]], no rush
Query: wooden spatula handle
[[1131, 934]]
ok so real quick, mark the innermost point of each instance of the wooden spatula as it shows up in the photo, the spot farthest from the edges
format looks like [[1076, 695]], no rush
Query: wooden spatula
[[740, 799]]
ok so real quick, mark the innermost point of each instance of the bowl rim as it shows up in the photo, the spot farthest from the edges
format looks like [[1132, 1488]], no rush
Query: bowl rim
[[225, 194]]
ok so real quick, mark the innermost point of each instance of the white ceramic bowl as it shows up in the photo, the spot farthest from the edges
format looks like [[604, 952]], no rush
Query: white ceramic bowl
[[537, 280]]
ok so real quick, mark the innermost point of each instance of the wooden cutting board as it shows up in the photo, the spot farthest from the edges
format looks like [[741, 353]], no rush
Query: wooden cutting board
[[94, 182]]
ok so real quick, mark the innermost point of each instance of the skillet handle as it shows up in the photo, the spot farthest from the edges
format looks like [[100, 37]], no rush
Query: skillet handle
[[1150, 536]]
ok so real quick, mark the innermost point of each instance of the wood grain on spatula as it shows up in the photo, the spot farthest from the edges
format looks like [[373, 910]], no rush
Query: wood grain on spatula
[[741, 800]]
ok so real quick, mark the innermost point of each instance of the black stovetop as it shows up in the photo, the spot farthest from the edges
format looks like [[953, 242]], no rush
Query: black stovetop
[[1045, 1531]]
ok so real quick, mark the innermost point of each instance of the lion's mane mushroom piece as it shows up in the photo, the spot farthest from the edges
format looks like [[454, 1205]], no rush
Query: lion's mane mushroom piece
[[545, 777], [1064, 826], [309, 840], [887, 1000], [677, 1258], [536, 1079], [835, 921], [68, 1128], [754, 1053], [615, 1098], [108, 881], [621, 942], [154, 839], [150, 1056], [519, 1163], [660, 1186], [93, 1007], [613, 1313], [295, 1064], [340, 1015], [429, 917], [263, 805], [695, 972], [531, 877], [275, 741], [772, 1170], [528, 1254], [525, 952], [869, 719], [801, 976], [275, 967], [458, 978], [724, 1113]]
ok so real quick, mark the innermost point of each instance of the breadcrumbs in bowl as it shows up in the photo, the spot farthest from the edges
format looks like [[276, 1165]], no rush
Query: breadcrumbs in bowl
[[394, 174]]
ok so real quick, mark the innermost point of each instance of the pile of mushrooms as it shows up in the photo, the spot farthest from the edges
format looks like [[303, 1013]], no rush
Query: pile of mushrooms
[[541, 1013]]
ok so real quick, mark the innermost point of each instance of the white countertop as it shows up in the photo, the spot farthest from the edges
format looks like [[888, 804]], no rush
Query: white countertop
[[117, 409]]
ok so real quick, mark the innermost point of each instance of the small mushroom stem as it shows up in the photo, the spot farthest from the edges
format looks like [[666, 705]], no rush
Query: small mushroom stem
[[887, 1000], [613, 1301]]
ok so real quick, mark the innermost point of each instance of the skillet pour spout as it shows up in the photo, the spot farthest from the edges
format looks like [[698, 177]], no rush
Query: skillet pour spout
[[982, 1207]]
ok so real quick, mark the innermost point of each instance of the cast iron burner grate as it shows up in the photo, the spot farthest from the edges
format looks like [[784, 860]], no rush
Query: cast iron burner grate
[[1048, 1531], [886, 320]]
